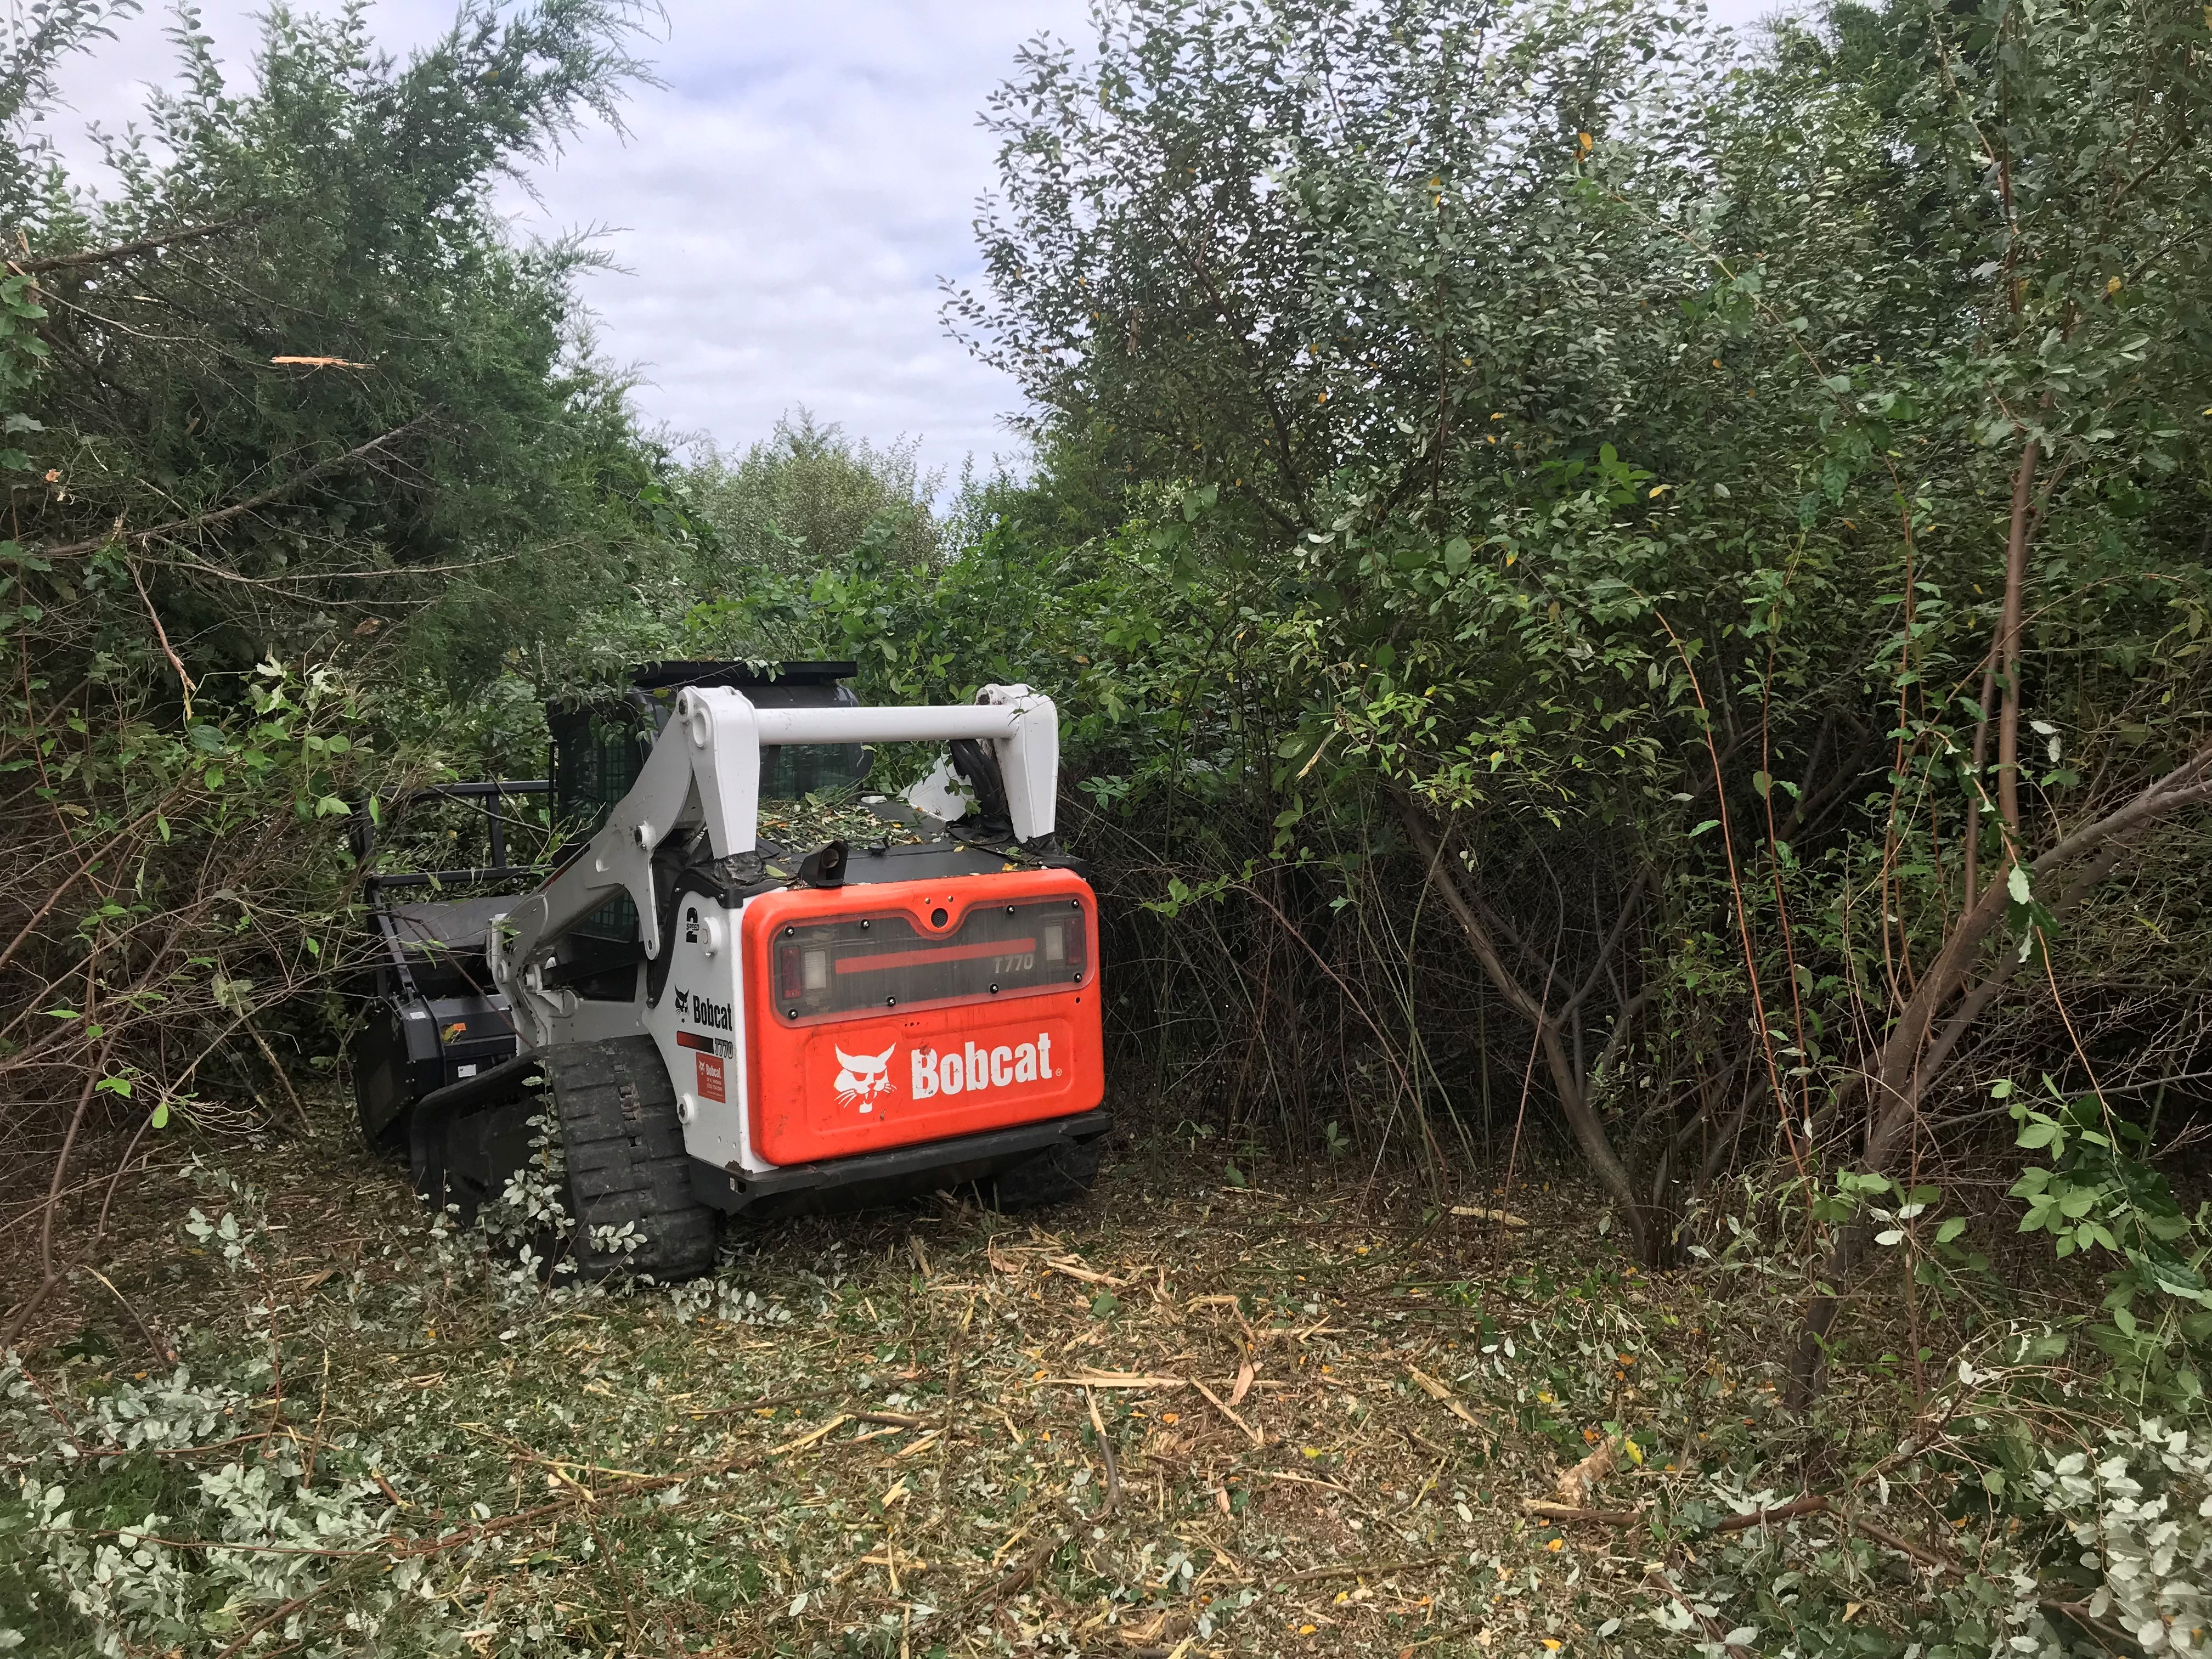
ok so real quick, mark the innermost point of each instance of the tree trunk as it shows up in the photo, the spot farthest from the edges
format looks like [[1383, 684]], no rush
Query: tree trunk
[[1901, 1074], [2023, 486], [1917, 1050], [1581, 1117]]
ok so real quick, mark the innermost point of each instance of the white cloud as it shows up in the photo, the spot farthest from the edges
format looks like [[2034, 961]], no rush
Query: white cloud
[[785, 205]]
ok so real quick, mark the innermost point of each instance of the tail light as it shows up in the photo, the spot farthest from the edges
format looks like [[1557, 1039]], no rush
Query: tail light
[[853, 964]]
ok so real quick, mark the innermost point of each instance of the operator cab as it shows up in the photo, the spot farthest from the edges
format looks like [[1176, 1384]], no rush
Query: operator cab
[[598, 749]]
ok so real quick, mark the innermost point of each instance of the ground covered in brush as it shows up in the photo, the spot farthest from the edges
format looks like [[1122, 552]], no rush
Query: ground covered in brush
[[1180, 1419]]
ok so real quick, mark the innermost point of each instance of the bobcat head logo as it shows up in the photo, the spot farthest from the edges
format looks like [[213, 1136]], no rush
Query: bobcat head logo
[[683, 1001], [863, 1076]]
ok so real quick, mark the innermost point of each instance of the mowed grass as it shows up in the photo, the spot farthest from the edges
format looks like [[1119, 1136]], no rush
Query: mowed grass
[[1177, 1418]]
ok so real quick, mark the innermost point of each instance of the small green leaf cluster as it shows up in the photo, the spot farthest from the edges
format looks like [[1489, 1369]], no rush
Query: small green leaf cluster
[[2100, 1195]]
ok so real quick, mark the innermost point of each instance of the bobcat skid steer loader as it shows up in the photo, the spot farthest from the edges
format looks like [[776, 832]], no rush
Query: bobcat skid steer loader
[[710, 1021]]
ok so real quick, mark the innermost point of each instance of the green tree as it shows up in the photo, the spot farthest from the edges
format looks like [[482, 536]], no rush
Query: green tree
[[298, 374], [803, 497]]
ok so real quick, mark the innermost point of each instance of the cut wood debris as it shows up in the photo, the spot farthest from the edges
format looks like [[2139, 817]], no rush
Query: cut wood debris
[[1443, 1395], [1075, 1269], [1253, 1435], [1371, 1569], [1243, 1384], [1576, 1485], [808, 1439], [1569, 1512], [1262, 1457]]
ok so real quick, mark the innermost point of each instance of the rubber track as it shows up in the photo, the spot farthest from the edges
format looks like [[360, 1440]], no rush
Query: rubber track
[[1053, 1177], [626, 1158]]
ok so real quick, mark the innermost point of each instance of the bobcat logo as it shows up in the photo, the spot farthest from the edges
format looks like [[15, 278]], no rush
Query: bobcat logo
[[863, 1076], [682, 1002]]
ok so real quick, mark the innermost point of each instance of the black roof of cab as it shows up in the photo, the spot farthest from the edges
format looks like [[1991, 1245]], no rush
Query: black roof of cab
[[670, 675]]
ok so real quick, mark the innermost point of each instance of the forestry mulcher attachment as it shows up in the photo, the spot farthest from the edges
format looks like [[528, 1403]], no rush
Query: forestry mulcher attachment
[[710, 1021]]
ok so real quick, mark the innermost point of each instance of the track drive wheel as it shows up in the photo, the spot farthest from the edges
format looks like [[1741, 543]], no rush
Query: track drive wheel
[[1056, 1175], [621, 1145]]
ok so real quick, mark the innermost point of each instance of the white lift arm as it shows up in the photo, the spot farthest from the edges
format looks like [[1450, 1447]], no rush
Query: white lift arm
[[705, 769]]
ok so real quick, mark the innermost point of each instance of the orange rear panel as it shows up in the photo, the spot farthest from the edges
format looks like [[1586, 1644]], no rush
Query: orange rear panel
[[882, 1015]]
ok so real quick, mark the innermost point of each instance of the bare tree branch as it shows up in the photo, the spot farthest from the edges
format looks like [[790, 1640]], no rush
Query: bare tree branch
[[100, 256], [201, 521]]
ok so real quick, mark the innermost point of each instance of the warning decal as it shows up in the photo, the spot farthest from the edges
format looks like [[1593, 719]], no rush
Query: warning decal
[[710, 1078]]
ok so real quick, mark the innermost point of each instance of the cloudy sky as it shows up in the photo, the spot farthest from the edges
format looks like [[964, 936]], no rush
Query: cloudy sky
[[781, 211]]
